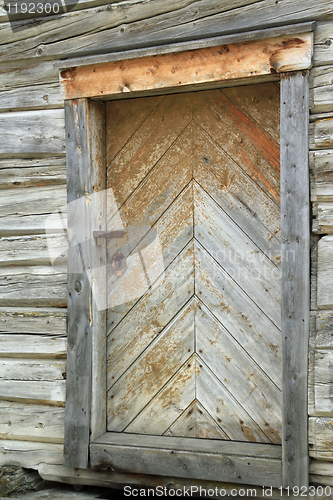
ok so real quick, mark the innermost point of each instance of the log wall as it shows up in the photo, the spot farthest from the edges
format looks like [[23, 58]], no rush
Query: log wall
[[32, 184]]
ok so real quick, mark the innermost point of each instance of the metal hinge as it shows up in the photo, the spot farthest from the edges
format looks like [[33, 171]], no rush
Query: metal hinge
[[102, 235]]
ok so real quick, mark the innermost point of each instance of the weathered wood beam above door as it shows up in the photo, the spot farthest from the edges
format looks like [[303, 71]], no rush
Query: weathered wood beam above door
[[178, 70]]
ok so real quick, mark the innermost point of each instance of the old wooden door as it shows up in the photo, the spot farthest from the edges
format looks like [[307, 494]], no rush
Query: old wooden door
[[193, 325]]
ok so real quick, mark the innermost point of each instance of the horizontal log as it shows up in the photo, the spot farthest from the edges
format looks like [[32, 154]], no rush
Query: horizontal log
[[27, 210], [321, 80], [322, 473], [321, 438], [23, 172], [32, 369], [42, 392], [32, 286], [47, 321], [31, 422], [321, 134], [32, 133], [321, 175], [32, 201], [18, 73], [325, 273], [166, 12], [29, 454], [320, 383], [313, 267], [31, 97], [114, 479], [324, 330], [74, 5], [31, 224], [317, 479], [32, 346], [33, 250], [104, 30], [323, 43], [322, 213]]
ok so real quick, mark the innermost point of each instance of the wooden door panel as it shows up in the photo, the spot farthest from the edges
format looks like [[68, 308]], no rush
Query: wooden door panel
[[193, 340], [242, 138], [237, 194], [176, 221], [147, 144], [150, 314], [223, 238], [238, 314], [151, 370]]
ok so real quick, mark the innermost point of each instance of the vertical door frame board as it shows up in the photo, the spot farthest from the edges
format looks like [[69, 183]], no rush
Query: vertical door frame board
[[295, 294], [85, 174]]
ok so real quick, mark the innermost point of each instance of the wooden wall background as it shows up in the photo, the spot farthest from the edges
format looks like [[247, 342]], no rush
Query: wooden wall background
[[32, 183]]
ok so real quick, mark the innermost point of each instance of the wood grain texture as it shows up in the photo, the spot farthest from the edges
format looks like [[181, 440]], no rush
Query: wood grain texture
[[21, 172], [99, 30], [325, 273], [97, 138], [31, 97], [321, 172], [46, 321], [295, 304], [320, 381], [236, 61], [32, 286], [32, 250], [321, 134], [322, 472], [32, 346], [115, 479], [321, 438], [324, 328], [29, 453], [32, 133], [219, 461], [31, 422], [322, 222], [323, 50], [321, 79], [80, 179]]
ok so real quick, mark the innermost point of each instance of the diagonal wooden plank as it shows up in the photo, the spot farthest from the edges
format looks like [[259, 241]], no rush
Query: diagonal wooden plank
[[195, 421], [165, 240], [238, 314], [151, 314], [261, 103], [157, 191], [248, 384], [237, 194], [150, 372], [147, 145], [223, 408], [238, 255], [168, 403], [242, 139], [123, 118]]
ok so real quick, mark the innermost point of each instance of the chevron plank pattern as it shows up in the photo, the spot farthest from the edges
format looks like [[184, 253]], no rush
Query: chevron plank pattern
[[193, 344]]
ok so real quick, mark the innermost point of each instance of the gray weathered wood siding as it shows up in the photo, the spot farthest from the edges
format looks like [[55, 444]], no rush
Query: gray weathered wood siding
[[33, 185]]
